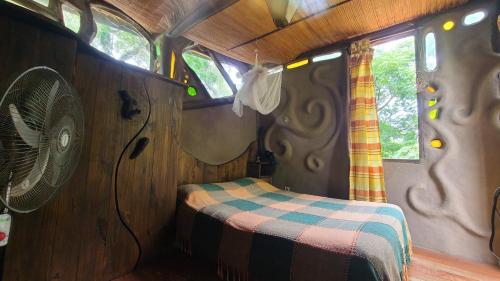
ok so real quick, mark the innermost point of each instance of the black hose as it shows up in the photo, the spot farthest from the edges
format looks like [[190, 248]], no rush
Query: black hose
[[493, 215], [117, 203]]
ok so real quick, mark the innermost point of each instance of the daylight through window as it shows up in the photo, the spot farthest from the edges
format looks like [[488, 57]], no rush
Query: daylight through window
[[119, 39], [209, 74], [71, 17], [395, 86]]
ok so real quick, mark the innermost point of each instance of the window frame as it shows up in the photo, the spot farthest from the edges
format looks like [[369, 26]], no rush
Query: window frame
[[418, 65], [51, 11]]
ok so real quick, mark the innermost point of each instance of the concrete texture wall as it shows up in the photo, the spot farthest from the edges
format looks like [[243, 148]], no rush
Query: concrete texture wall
[[447, 195], [215, 135], [307, 131]]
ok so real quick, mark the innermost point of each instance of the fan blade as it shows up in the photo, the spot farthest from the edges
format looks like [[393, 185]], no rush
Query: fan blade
[[29, 136], [35, 174], [282, 11]]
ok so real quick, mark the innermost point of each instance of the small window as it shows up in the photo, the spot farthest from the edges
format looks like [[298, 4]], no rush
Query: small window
[[71, 17], [329, 56], [474, 17], [209, 74], [120, 39], [394, 70], [430, 52], [42, 2], [234, 73]]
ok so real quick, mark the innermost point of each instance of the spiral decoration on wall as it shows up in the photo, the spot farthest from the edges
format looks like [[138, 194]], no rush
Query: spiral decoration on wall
[[325, 107]]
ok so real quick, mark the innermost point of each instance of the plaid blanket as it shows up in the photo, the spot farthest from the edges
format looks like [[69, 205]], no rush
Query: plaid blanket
[[255, 231]]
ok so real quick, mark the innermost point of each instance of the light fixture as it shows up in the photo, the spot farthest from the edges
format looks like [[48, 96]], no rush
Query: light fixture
[[172, 65], [297, 64], [329, 56], [449, 25]]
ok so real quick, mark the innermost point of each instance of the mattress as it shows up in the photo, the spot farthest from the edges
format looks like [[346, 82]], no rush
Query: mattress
[[255, 231]]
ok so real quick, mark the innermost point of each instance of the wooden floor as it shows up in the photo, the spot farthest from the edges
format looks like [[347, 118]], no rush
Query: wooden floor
[[426, 265]]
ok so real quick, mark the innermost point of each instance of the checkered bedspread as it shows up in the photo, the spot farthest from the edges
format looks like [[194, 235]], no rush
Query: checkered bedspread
[[255, 231]]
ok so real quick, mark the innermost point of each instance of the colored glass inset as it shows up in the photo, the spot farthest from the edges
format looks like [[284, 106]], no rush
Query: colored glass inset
[[329, 56], [449, 25], [191, 91], [172, 65], [297, 64], [432, 102], [474, 17], [430, 89], [434, 114], [436, 143], [430, 52]]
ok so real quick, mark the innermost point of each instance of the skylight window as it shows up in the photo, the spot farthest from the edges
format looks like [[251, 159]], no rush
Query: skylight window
[[120, 39], [474, 18], [209, 74], [71, 17]]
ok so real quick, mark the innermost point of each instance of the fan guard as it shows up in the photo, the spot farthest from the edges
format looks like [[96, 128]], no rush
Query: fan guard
[[41, 135]]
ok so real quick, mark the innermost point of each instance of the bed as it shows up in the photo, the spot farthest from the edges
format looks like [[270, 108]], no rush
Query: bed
[[255, 231]]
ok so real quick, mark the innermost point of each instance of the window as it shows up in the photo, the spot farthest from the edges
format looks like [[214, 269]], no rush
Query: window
[[120, 39], [234, 73], [430, 52], [71, 17], [394, 70], [209, 74], [474, 17], [42, 2]]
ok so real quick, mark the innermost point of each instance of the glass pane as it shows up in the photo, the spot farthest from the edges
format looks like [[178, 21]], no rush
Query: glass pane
[[234, 74], [208, 73], [430, 52], [119, 39], [42, 2], [394, 69], [71, 17], [474, 17]]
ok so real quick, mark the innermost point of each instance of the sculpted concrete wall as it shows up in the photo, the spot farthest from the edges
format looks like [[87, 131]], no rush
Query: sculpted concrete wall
[[447, 195], [307, 131], [215, 135]]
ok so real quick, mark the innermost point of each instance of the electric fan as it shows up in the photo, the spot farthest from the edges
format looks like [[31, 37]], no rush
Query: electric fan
[[41, 135]]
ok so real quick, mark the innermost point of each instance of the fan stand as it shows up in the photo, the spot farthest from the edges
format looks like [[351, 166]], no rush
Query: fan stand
[[5, 224]]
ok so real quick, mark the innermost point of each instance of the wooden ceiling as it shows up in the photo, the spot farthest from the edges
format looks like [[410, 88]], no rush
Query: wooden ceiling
[[317, 23]]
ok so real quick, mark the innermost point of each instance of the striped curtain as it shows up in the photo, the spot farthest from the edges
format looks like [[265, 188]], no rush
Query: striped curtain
[[366, 174]]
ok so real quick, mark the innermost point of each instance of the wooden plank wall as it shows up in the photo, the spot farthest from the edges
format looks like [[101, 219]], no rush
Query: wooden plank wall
[[78, 235], [192, 170]]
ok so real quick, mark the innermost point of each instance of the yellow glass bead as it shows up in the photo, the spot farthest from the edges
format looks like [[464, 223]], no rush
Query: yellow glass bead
[[434, 114], [449, 25], [432, 102], [436, 143]]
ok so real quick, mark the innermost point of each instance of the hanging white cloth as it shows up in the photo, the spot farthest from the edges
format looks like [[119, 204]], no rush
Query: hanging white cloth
[[261, 90]]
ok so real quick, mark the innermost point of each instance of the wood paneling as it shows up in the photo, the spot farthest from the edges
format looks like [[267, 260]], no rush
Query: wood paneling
[[192, 170], [78, 235], [249, 19], [323, 23]]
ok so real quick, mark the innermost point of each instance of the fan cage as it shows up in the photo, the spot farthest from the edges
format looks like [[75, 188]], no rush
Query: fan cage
[[32, 172]]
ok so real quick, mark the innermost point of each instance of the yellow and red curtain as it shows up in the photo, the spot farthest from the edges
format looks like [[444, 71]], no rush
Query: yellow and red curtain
[[366, 174]]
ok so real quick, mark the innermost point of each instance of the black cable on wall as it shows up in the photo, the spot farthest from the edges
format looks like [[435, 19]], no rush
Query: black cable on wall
[[117, 203]]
